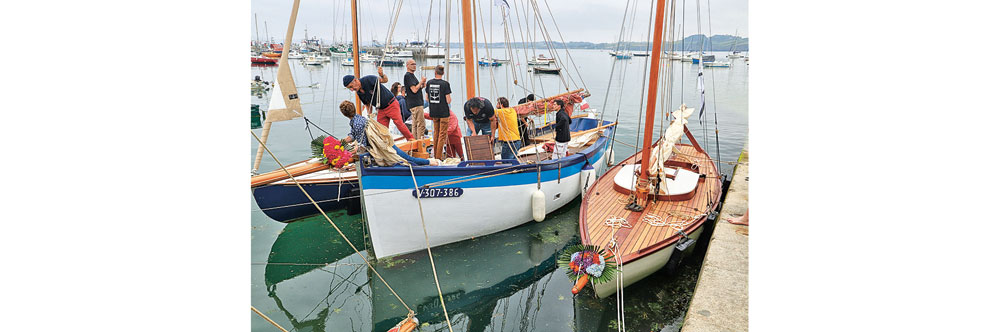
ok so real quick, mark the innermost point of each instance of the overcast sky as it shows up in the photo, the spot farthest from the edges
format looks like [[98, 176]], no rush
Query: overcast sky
[[579, 20]]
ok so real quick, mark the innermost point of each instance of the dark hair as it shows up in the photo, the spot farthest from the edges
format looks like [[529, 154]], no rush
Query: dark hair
[[439, 70], [560, 102], [503, 102], [395, 88], [347, 109], [530, 97]]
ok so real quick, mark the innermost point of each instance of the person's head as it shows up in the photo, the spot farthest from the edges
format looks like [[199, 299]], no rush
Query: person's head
[[439, 71], [411, 66], [347, 109], [561, 104], [352, 83], [503, 102], [474, 104], [530, 97], [396, 89]]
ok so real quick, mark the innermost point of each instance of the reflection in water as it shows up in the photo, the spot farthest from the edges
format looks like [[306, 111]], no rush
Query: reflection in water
[[476, 276], [310, 253]]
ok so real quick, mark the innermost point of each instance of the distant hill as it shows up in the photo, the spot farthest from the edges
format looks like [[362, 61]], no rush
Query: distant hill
[[718, 43]]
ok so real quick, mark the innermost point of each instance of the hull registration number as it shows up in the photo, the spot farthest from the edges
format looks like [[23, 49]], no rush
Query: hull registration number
[[438, 192]]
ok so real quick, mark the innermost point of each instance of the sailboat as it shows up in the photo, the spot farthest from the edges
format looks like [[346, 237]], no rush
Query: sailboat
[[478, 197], [654, 203], [277, 194]]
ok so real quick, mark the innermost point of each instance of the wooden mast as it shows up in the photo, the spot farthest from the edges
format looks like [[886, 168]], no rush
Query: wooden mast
[[289, 93], [642, 187], [355, 47], [470, 59]]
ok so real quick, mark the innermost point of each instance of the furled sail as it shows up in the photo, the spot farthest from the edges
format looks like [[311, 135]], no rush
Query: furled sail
[[665, 147], [285, 104]]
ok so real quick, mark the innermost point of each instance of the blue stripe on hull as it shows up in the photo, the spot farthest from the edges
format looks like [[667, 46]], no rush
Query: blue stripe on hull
[[398, 177], [286, 202]]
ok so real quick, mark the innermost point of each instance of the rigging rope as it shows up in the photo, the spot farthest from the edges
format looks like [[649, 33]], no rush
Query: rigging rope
[[427, 241], [331, 221], [262, 315]]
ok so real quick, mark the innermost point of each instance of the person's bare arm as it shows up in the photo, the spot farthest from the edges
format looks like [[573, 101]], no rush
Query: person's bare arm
[[448, 97], [381, 76]]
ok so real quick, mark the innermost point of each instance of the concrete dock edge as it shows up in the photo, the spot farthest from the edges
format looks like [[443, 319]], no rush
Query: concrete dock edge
[[721, 297]]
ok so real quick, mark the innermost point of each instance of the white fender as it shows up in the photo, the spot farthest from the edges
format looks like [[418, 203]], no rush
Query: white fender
[[587, 178], [538, 205], [611, 157]]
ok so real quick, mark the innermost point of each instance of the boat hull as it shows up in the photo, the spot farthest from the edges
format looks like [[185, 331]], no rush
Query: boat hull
[[484, 199], [643, 267], [285, 202]]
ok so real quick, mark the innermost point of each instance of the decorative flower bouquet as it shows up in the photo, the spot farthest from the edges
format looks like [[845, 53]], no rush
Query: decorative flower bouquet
[[330, 151], [587, 262]]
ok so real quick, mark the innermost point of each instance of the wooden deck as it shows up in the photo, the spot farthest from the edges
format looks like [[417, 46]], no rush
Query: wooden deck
[[603, 202]]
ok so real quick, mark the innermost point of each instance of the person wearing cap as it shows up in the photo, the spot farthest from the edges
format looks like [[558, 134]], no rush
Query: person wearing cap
[[383, 100]]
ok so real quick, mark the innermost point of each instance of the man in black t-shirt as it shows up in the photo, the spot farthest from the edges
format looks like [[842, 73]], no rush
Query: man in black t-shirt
[[479, 116], [414, 99], [524, 122], [439, 97]]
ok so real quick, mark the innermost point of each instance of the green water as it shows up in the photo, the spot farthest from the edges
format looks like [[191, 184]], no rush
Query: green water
[[306, 278]]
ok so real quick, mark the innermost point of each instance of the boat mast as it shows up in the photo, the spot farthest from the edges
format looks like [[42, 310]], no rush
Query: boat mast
[[470, 59], [283, 76], [355, 47], [642, 187]]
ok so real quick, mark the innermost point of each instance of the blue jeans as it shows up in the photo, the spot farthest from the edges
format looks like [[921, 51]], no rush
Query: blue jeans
[[482, 127], [411, 160], [508, 150]]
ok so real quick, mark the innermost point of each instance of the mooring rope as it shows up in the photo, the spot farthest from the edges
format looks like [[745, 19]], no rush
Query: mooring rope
[[428, 242], [331, 221], [262, 315]]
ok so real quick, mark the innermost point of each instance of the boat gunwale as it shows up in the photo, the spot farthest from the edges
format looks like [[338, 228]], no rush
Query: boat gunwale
[[656, 246], [570, 160]]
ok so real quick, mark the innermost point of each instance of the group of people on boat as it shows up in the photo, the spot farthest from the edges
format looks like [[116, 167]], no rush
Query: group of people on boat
[[405, 101]]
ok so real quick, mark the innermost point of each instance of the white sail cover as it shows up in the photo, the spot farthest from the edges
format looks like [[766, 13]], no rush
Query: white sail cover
[[284, 103], [665, 147]]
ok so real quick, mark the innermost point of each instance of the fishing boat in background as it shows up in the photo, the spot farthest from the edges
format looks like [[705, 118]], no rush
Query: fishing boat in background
[[703, 57], [456, 59], [651, 206], [389, 62], [400, 54], [640, 54], [488, 62], [726, 64], [263, 60], [347, 62], [623, 55], [312, 61], [546, 70]]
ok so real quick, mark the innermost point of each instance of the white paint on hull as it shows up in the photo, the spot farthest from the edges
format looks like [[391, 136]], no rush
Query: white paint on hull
[[393, 215], [643, 267]]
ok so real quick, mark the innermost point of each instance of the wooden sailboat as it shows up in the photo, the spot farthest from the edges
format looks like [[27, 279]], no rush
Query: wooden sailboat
[[478, 197], [275, 193], [654, 203]]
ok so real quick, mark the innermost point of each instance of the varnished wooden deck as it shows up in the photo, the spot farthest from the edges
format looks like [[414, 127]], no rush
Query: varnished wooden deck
[[603, 202]]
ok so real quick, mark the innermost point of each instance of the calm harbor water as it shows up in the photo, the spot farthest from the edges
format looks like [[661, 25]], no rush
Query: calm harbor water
[[305, 277]]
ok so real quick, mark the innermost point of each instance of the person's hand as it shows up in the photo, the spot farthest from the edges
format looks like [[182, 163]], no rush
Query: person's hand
[[380, 73], [423, 81]]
